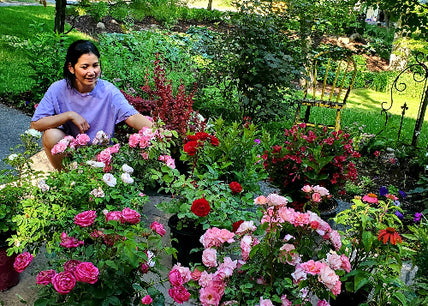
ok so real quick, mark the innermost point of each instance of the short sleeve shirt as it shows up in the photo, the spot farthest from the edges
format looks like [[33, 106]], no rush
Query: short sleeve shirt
[[103, 107]]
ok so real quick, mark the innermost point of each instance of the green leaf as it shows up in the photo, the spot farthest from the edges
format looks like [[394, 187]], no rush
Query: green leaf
[[360, 280]]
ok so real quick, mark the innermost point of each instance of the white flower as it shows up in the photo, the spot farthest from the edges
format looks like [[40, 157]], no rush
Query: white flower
[[126, 178], [95, 164], [12, 156], [43, 186], [33, 132], [109, 179], [321, 190], [97, 192], [101, 138], [127, 169], [150, 256]]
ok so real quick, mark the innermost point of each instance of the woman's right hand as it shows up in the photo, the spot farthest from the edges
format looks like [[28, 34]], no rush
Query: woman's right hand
[[79, 121]]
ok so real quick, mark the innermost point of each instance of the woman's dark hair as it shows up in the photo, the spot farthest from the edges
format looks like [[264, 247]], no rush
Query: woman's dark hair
[[74, 52]]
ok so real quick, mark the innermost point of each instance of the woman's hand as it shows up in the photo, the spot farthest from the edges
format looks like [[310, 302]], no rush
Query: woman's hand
[[79, 121]]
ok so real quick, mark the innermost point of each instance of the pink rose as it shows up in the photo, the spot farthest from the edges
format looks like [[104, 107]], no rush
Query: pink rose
[[134, 140], [130, 216], [82, 139], [45, 277], [71, 265], [316, 197], [323, 303], [114, 149], [209, 257], [313, 267], [266, 302], [86, 218], [146, 300], [210, 295], [179, 294], [307, 189], [260, 200], [175, 278], [328, 277], [59, 148], [346, 265], [104, 156], [64, 282], [86, 272], [299, 274], [158, 228], [114, 216], [22, 261]]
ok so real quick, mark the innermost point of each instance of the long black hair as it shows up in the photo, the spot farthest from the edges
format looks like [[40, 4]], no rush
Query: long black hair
[[74, 52]]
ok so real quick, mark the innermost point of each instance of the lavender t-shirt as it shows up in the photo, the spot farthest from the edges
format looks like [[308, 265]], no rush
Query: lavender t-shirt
[[103, 107]]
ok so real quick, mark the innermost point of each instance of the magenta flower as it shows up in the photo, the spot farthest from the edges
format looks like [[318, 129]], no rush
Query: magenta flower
[[45, 277], [86, 272], [64, 282], [22, 261], [86, 218]]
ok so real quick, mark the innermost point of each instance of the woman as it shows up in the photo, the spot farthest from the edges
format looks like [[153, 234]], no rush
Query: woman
[[81, 102]]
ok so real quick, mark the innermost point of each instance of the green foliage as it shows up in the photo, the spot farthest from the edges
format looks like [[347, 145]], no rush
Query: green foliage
[[98, 10]]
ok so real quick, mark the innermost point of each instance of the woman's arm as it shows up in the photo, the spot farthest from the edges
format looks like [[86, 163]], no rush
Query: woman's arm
[[57, 120], [138, 121]]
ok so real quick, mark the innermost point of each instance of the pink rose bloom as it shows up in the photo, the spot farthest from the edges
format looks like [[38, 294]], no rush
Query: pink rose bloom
[[323, 303], [300, 219], [334, 261], [169, 161], [246, 243], [328, 277], [22, 261], [86, 272], [289, 255], [209, 257], [316, 197], [147, 132], [69, 242], [246, 227], [71, 265], [321, 190], [60, 147], [179, 294], [114, 149], [130, 216], [205, 279], [196, 274], [285, 301], [307, 188], [261, 200], [346, 265], [335, 239], [144, 142], [276, 200], [134, 140], [323, 228], [45, 277], [312, 267], [104, 156], [86, 218], [63, 282], [299, 274], [114, 216], [146, 300], [209, 296], [228, 266], [216, 237], [100, 138], [337, 288], [266, 302], [287, 214], [184, 271], [175, 278], [82, 139], [158, 228]]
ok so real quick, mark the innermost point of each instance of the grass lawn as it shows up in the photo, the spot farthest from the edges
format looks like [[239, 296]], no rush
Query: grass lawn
[[19, 23]]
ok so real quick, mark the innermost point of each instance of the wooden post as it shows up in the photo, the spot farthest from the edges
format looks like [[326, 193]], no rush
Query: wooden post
[[420, 119]]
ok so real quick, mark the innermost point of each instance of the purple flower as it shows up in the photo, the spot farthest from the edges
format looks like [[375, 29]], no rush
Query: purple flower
[[257, 141], [399, 215], [402, 193], [383, 191], [417, 217]]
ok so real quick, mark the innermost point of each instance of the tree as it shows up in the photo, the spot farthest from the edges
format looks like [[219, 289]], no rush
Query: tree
[[60, 6]]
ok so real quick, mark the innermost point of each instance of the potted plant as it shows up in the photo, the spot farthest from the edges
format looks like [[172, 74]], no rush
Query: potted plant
[[311, 156], [16, 183], [289, 258], [372, 241]]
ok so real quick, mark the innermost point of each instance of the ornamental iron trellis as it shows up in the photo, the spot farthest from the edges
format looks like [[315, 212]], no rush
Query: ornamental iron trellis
[[419, 71]]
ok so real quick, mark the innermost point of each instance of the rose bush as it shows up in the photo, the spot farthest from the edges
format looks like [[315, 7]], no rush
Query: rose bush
[[288, 258], [311, 156]]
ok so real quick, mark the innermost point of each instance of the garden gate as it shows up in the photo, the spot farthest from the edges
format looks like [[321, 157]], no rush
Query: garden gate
[[419, 73]]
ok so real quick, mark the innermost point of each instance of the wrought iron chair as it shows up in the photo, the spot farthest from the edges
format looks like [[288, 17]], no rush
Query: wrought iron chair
[[330, 77]]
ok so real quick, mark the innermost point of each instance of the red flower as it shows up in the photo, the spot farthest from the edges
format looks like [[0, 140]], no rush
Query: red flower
[[235, 187], [191, 147], [200, 207], [236, 225], [202, 136], [214, 141], [389, 234]]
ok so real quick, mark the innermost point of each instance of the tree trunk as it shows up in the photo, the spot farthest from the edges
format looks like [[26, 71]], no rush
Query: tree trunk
[[60, 6], [400, 52], [210, 5]]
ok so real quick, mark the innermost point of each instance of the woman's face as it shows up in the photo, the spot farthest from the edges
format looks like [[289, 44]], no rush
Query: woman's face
[[86, 70]]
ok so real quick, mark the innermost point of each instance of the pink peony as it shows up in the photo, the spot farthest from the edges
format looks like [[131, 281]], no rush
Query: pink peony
[[22, 261], [45, 277], [130, 216], [86, 218], [86, 272], [64, 282], [82, 139], [146, 300], [158, 228], [71, 265], [114, 216], [209, 257], [179, 294]]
